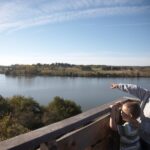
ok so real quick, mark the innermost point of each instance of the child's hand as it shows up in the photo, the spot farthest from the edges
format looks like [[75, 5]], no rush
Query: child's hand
[[118, 104], [114, 85], [113, 106], [115, 113]]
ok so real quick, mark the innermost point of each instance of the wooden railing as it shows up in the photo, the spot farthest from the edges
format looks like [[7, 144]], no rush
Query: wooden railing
[[86, 131]]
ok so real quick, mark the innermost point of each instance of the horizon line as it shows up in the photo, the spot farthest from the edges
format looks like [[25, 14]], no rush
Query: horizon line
[[75, 64]]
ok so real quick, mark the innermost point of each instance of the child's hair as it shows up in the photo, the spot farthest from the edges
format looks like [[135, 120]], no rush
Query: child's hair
[[133, 108]]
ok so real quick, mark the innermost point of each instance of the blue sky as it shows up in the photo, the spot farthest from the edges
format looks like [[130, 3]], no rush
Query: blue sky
[[108, 32]]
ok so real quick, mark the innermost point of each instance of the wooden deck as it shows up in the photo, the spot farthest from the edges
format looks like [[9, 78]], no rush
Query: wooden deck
[[86, 131]]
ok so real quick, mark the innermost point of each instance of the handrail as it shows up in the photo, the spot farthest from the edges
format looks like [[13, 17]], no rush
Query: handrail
[[33, 139]]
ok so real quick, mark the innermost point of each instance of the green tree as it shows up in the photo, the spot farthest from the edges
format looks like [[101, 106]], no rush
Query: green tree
[[60, 109], [26, 111], [4, 106], [10, 128]]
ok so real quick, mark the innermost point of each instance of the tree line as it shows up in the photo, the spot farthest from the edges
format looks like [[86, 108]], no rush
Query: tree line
[[64, 69], [20, 114]]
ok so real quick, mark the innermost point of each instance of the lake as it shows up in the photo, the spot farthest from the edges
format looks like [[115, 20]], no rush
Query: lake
[[87, 92]]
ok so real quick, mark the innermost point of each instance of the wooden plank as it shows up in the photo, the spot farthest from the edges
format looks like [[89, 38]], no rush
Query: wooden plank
[[34, 138], [85, 136], [103, 145]]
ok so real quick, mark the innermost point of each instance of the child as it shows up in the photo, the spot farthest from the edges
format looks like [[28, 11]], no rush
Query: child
[[128, 131], [144, 95]]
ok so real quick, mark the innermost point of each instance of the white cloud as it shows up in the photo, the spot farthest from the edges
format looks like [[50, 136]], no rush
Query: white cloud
[[17, 14]]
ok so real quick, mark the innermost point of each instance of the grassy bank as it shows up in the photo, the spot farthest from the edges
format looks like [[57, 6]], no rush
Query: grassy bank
[[60, 69]]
